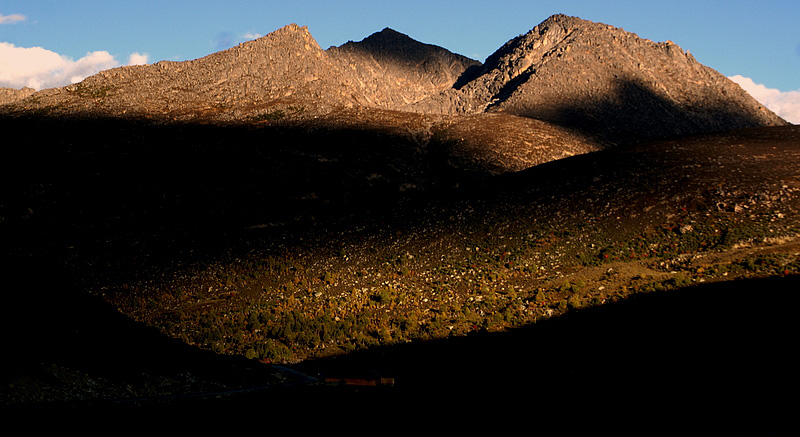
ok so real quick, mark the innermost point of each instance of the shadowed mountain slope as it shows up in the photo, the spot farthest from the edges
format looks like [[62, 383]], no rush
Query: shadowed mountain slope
[[193, 229], [393, 70]]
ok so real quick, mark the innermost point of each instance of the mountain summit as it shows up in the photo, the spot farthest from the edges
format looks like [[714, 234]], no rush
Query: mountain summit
[[604, 80], [597, 80], [393, 70]]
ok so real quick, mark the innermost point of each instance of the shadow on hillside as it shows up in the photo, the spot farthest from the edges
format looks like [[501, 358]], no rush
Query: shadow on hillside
[[470, 74], [71, 350], [729, 345], [135, 192], [633, 112], [725, 344], [139, 192]]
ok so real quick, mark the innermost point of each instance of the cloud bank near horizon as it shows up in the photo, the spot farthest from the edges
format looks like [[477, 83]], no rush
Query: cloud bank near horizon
[[39, 68], [784, 103]]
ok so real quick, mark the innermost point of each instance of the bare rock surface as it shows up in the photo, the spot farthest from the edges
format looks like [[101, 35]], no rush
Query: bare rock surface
[[602, 79], [283, 67], [10, 95], [595, 84], [393, 71]]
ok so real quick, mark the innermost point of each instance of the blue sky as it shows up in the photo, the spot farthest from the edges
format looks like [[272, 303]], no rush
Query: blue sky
[[759, 41]]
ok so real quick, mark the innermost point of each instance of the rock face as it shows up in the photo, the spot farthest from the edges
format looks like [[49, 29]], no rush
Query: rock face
[[10, 95], [286, 65], [393, 71], [595, 80], [602, 80], [264, 77]]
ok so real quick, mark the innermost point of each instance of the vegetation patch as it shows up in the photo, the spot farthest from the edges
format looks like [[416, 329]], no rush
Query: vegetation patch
[[281, 307]]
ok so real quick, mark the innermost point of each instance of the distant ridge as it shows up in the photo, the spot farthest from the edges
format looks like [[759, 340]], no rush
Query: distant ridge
[[393, 70], [600, 81]]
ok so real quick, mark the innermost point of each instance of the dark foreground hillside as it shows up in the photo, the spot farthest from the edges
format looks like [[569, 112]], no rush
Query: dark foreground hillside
[[145, 264], [721, 354]]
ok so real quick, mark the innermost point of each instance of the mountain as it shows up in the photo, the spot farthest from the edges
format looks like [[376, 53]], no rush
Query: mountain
[[394, 71], [387, 208], [605, 81], [262, 78], [286, 65], [592, 77]]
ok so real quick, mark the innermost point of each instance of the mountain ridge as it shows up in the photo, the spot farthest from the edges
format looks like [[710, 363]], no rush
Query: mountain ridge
[[410, 70], [578, 73], [594, 80]]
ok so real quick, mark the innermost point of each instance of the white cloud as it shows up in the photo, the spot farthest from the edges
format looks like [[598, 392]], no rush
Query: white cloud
[[40, 68], [784, 103], [13, 18], [251, 35], [138, 59]]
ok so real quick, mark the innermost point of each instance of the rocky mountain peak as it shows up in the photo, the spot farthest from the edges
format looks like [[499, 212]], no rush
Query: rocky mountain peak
[[388, 34], [540, 38], [393, 46], [604, 81], [394, 71], [291, 33], [389, 40], [598, 79], [544, 43], [290, 29], [292, 39]]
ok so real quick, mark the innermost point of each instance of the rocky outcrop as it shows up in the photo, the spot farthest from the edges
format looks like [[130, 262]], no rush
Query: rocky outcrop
[[285, 66], [283, 73], [604, 81], [10, 95], [393, 71]]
